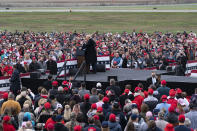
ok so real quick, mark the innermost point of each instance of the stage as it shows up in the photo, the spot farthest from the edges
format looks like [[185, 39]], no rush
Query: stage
[[124, 76]]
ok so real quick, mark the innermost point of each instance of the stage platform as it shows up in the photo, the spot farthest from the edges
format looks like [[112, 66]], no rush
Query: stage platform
[[124, 76]]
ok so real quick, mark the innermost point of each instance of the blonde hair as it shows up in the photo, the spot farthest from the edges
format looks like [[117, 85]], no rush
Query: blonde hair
[[76, 108], [135, 111], [67, 112]]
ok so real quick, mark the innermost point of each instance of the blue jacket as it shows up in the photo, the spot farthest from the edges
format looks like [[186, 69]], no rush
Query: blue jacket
[[114, 126]]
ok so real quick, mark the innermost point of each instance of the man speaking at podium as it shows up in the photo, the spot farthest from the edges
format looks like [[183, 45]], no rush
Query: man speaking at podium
[[90, 54]]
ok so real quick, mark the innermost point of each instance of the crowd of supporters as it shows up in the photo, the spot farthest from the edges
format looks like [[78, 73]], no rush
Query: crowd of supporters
[[31, 51], [63, 107]]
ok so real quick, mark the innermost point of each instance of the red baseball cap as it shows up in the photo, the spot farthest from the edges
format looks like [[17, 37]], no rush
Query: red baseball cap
[[181, 118], [78, 128], [150, 91], [179, 91], [5, 95], [163, 82], [91, 129], [137, 89], [164, 98], [34, 58], [6, 118], [93, 106], [96, 117], [86, 97], [105, 99], [99, 109], [171, 109], [55, 83], [172, 92], [64, 82], [47, 105], [169, 127], [112, 117], [65, 88], [126, 91]]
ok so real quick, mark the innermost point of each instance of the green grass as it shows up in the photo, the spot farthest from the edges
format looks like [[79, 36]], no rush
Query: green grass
[[134, 7], [102, 22]]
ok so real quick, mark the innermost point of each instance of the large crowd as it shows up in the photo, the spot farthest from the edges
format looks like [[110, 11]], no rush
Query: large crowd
[[31, 51], [64, 107]]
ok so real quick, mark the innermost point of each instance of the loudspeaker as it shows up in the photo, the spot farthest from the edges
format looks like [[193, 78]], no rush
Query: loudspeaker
[[100, 68], [35, 75], [112, 77]]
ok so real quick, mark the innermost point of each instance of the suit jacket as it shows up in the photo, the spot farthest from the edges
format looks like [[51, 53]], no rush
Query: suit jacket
[[90, 52], [52, 67]]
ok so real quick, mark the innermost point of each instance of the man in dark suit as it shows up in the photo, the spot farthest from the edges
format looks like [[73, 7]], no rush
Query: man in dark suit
[[52, 66], [33, 66], [15, 81], [90, 53]]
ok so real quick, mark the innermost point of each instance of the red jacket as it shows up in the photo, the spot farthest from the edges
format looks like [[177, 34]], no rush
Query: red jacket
[[8, 127], [8, 70], [50, 120], [173, 102], [139, 99]]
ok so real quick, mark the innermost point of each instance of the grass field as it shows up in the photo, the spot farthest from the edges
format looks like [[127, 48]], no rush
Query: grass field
[[102, 22], [134, 7]]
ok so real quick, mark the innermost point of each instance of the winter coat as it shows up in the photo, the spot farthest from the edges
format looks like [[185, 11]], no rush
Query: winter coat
[[172, 118], [60, 127], [85, 107], [90, 52], [52, 67], [172, 101], [106, 108], [11, 104], [120, 117], [114, 126], [151, 102], [163, 90], [15, 82], [139, 99], [33, 66], [116, 90], [60, 97], [8, 127]]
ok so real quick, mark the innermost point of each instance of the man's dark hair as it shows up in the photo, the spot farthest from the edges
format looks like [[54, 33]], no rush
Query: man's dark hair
[[91, 120], [39, 89], [94, 91], [128, 86], [50, 77], [83, 85]]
